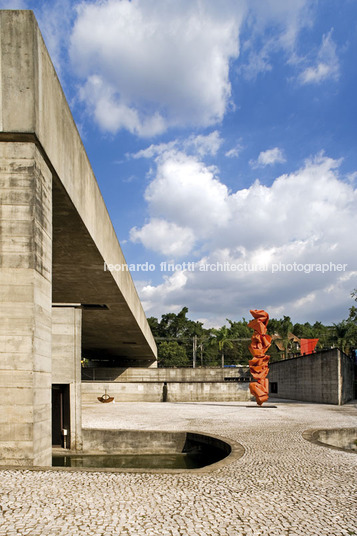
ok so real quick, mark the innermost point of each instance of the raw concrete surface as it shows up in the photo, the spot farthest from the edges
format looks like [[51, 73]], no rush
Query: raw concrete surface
[[325, 377], [25, 312], [283, 485], [34, 110], [175, 391]]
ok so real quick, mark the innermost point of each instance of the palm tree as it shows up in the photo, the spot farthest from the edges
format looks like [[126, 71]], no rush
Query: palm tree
[[221, 336], [343, 335]]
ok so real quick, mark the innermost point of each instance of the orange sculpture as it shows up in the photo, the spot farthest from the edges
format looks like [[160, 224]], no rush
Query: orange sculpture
[[259, 364]]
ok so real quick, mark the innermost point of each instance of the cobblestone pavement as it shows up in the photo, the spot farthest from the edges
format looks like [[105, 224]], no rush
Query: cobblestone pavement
[[283, 485]]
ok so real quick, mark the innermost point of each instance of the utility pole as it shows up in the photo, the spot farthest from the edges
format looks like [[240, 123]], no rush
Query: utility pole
[[194, 351]]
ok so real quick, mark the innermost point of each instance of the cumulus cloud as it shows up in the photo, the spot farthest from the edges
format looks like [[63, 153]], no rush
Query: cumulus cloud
[[164, 237], [155, 63], [304, 217], [213, 296], [326, 66], [268, 158], [149, 65], [112, 114], [190, 194], [187, 192]]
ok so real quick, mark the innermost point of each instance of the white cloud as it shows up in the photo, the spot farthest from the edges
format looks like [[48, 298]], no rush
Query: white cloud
[[155, 150], [169, 289], [326, 66], [290, 17], [164, 237], [304, 218], [149, 65], [258, 59], [234, 152], [198, 145], [204, 145], [187, 192], [352, 177], [268, 158], [287, 18], [155, 63], [112, 114]]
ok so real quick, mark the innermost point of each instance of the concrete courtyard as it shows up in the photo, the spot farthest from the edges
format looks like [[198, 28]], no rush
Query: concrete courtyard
[[283, 485]]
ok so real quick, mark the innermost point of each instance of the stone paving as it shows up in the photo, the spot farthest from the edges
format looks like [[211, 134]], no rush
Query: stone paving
[[282, 486]]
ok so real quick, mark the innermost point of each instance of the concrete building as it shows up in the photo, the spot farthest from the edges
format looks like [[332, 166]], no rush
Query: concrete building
[[325, 377], [57, 302]]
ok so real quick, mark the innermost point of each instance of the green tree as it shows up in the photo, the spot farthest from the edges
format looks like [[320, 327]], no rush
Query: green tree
[[172, 354], [345, 335], [175, 334], [175, 325], [154, 326], [352, 319], [303, 331], [240, 335]]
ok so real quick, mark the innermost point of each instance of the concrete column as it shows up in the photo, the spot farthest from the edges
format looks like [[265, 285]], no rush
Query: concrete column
[[25, 310], [66, 363]]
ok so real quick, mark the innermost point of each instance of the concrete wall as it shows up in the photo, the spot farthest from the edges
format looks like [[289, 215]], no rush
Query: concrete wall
[[173, 391], [324, 377], [25, 313], [347, 371], [136, 374], [182, 384], [132, 441], [66, 363], [100, 441]]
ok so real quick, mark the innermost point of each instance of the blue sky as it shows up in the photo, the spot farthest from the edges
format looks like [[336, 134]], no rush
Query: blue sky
[[222, 134]]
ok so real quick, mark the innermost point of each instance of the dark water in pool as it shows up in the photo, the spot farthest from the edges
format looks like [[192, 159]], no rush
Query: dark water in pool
[[189, 460]]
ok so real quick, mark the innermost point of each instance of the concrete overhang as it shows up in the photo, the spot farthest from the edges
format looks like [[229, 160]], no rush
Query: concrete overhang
[[34, 109]]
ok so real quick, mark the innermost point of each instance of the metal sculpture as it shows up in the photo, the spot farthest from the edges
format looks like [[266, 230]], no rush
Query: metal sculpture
[[259, 364], [105, 398]]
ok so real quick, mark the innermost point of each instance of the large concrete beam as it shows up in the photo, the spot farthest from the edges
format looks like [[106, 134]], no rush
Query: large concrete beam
[[34, 108]]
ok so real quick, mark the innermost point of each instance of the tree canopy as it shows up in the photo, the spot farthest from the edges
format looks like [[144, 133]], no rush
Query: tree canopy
[[179, 338]]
